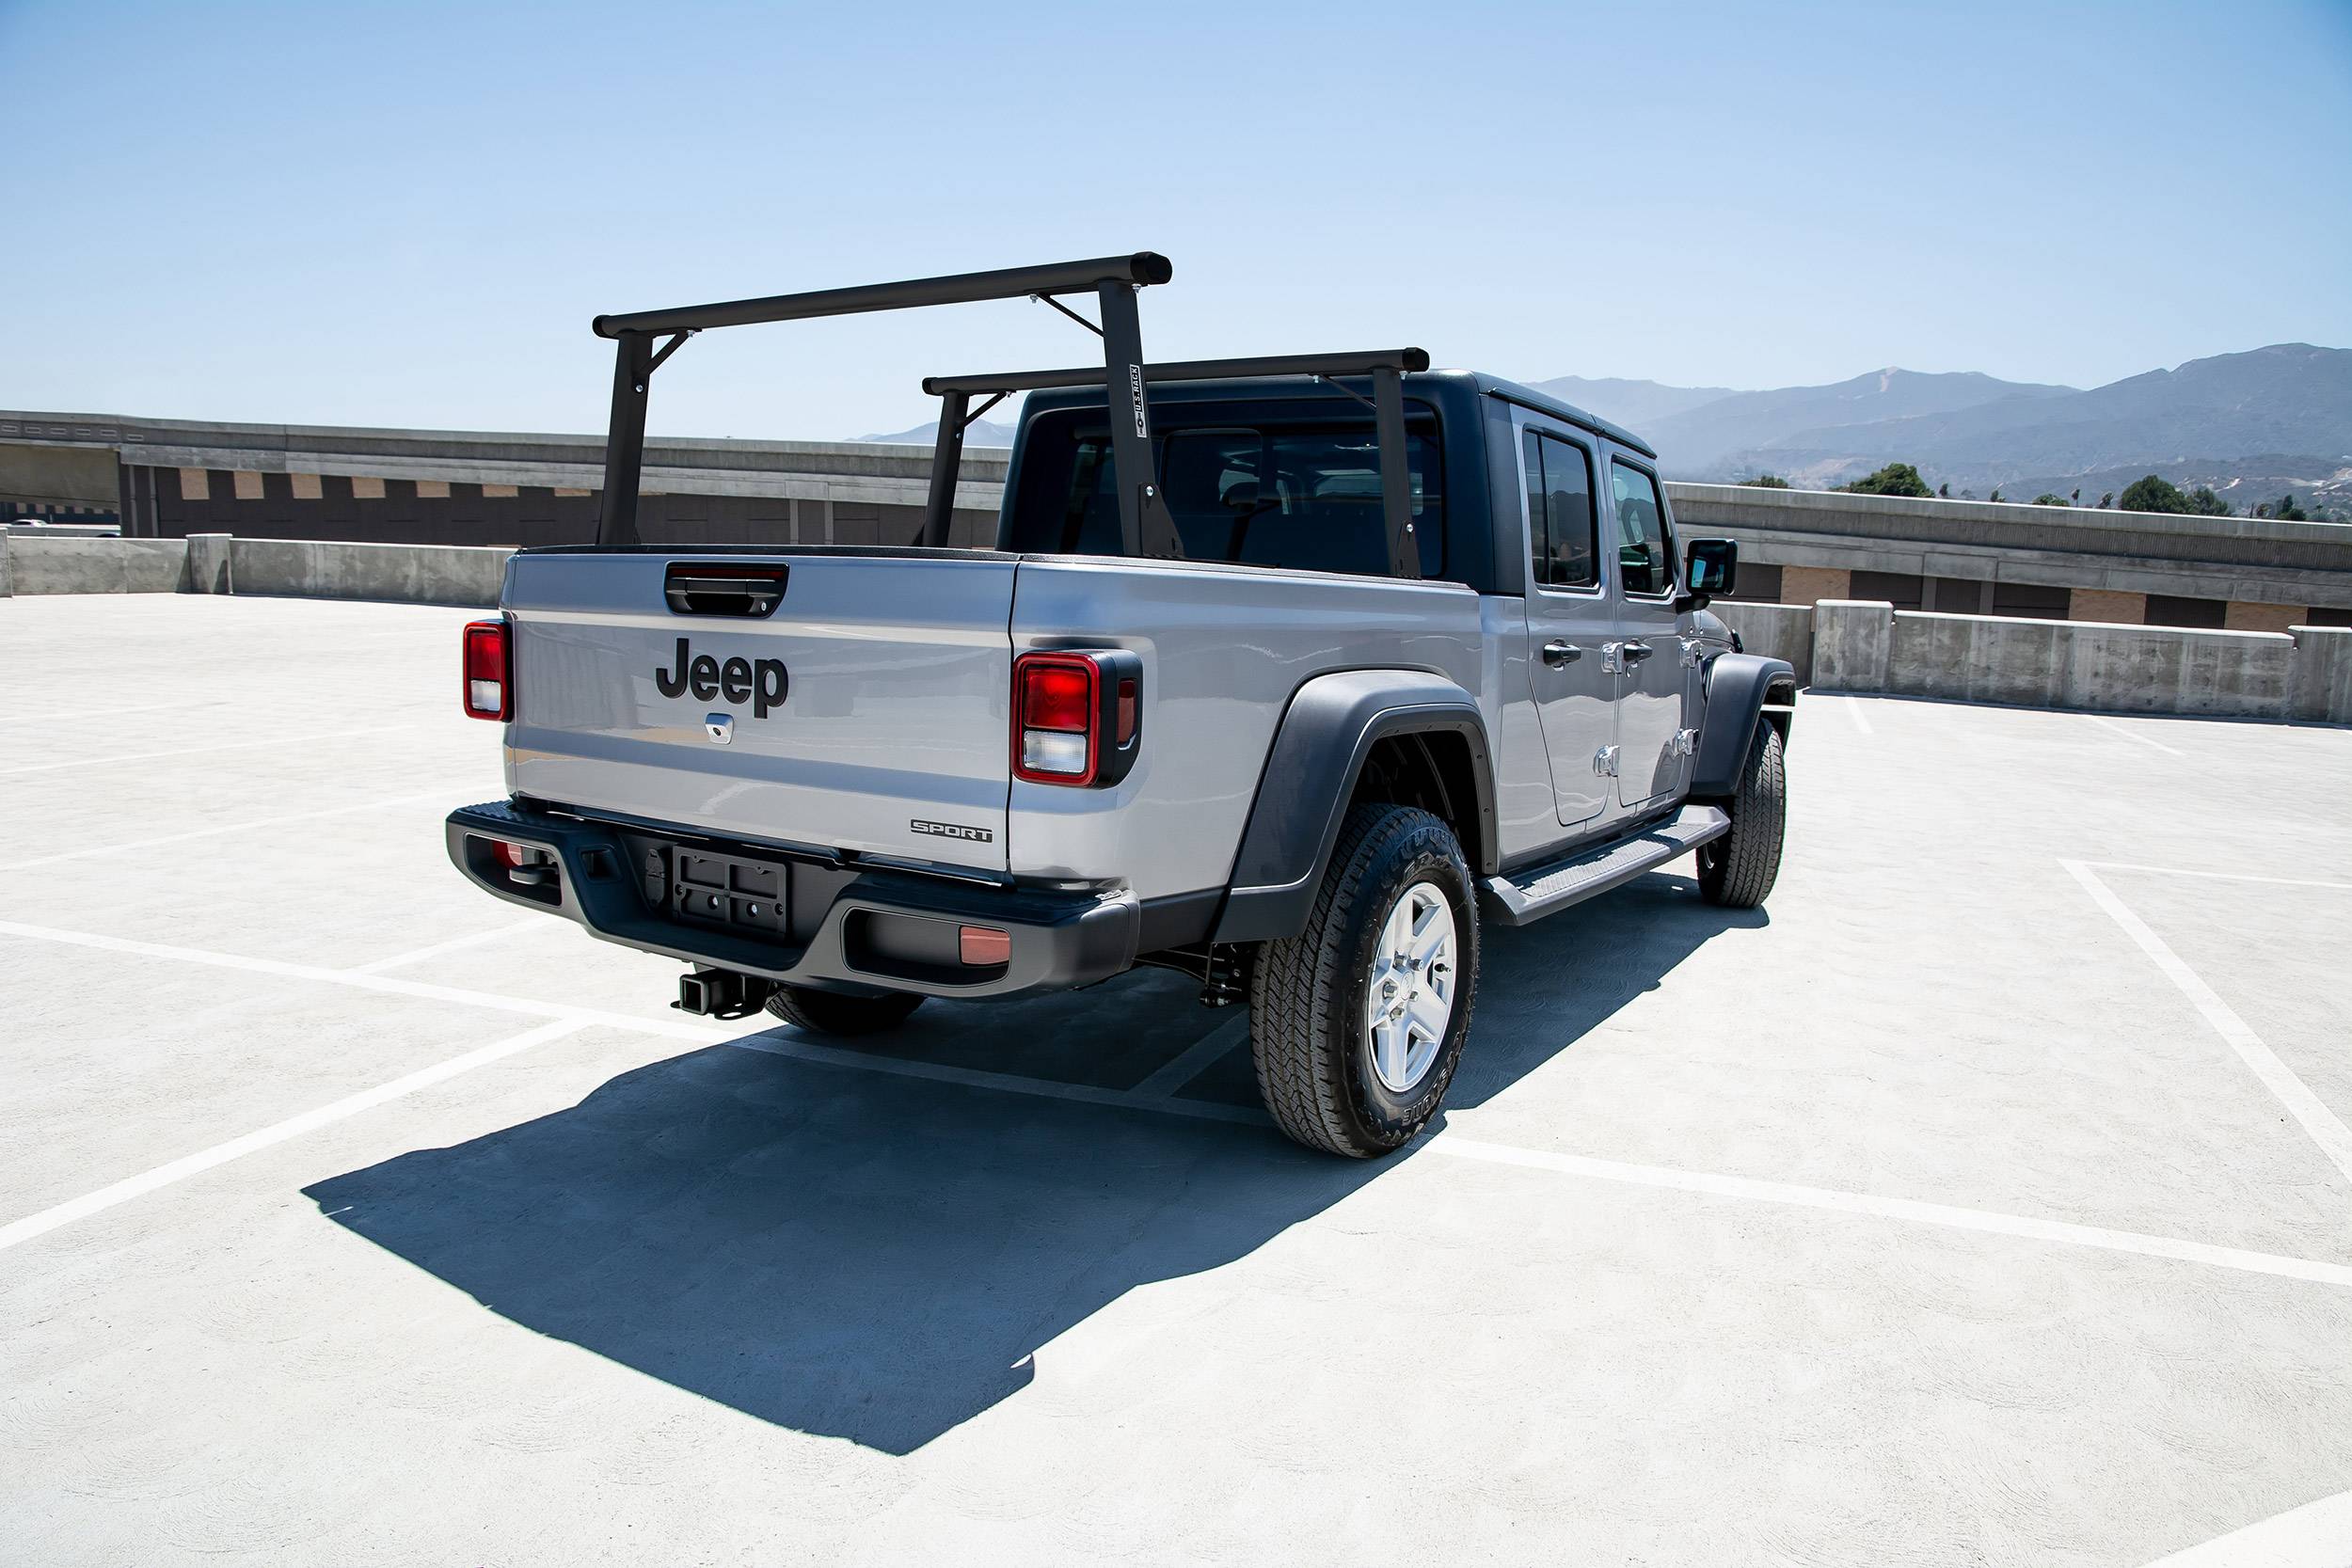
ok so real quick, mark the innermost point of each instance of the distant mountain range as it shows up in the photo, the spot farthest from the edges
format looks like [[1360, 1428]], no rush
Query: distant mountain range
[[2253, 425], [1636, 404], [978, 433]]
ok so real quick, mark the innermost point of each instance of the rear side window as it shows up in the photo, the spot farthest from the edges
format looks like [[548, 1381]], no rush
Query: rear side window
[[1559, 511], [1301, 497], [1644, 559]]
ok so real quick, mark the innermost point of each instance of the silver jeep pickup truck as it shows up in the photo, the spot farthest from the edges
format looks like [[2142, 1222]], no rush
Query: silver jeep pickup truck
[[1285, 672]]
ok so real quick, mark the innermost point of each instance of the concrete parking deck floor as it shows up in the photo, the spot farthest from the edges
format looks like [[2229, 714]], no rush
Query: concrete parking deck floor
[[1987, 1199]]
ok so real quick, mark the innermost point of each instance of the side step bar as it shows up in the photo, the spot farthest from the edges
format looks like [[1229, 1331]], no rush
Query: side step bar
[[1542, 890]]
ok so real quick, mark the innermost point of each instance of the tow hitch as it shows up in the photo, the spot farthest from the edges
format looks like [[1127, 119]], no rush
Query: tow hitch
[[722, 993]]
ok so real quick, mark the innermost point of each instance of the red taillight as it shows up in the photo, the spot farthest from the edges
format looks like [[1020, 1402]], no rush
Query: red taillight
[[1056, 719], [1057, 696], [489, 672]]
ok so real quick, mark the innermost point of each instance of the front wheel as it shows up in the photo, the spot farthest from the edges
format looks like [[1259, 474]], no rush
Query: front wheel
[[1357, 1023], [1739, 869]]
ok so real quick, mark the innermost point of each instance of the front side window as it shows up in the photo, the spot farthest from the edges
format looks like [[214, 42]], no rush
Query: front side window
[[1644, 559], [1559, 511]]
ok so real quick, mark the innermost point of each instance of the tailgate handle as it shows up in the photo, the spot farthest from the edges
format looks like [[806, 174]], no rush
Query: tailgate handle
[[717, 587]]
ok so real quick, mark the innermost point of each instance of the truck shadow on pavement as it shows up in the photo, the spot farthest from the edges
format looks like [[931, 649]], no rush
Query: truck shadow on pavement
[[872, 1257]]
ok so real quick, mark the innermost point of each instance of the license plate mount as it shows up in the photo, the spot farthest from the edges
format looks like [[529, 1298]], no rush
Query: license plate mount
[[731, 891]]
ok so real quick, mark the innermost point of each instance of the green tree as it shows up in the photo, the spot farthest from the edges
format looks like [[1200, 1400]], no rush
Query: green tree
[[1944, 489], [2204, 503], [1995, 495], [2078, 495], [2107, 501], [1895, 479], [2051, 498], [1767, 482], [2153, 494], [2287, 510]]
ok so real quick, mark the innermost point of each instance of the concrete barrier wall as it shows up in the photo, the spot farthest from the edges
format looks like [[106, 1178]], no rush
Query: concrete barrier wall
[[1775, 630], [94, 565], [2084, 664], [1851, 644], [407, 574], [1862, 645], [2319, 688]]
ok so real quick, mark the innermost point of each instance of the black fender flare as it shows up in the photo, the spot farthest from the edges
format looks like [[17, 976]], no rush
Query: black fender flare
[[1738, 688], [1318, 754]]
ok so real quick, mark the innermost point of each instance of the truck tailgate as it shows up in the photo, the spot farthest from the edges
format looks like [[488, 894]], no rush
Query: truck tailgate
[[868, 711]]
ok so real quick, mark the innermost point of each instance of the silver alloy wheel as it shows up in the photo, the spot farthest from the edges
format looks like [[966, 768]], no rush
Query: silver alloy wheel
[[1411, 998]]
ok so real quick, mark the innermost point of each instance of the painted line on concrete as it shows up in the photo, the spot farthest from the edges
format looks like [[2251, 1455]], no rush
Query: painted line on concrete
[[2334, 1138], [1195, 1060], [253, 825], [389, 984], [74, 714], [292, 1126], [477, 939], [2317, 1535], [2219, 876], [1992, 1223], [1853, 712], [198, 751], [799, 1049], [2128, 734]]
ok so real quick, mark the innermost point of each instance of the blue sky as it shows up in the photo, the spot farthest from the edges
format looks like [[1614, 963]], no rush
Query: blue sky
[[406, 214]]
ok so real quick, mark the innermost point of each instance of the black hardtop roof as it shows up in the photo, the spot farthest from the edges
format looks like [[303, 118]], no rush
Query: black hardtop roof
[[1450, 385]]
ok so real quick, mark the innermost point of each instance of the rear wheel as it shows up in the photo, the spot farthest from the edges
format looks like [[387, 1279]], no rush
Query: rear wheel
[[1737, 870], [1357, 1025], [827, 1012]]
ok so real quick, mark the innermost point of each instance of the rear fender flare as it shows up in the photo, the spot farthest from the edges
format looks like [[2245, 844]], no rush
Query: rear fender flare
[[1318, 754], [1738, 689]]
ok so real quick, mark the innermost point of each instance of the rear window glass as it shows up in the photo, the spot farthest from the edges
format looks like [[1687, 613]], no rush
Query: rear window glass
[[1298, 496], [1559, 511]]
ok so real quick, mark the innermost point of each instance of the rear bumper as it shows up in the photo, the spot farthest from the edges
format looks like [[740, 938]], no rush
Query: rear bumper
[[848, 929]]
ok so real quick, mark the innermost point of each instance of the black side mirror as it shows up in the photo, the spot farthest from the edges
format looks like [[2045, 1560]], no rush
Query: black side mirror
[[1709, 566]]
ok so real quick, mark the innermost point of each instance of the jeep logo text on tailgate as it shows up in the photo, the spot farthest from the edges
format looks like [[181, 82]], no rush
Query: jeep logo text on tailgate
[[761, 682]]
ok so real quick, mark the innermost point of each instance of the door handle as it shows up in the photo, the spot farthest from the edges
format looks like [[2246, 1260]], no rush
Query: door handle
[[1634, 651], [1561, 653]]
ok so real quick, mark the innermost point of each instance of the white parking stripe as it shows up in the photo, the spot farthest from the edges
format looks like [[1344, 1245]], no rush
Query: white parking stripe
[[390, 984], [803, 1049], [196, 751], [1447, 1143], [2333, 1137], [400, 961], [292, 1126], [2127, 733], [1897, 1209], [76, 715], [253, 825], [2317, 1535], [1195, 1060], [2218, 875], [1853, 712]]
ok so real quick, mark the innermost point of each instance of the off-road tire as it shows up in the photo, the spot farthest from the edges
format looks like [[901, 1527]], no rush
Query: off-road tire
[[1307, 993], [1737, 870], [828, 1012]]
